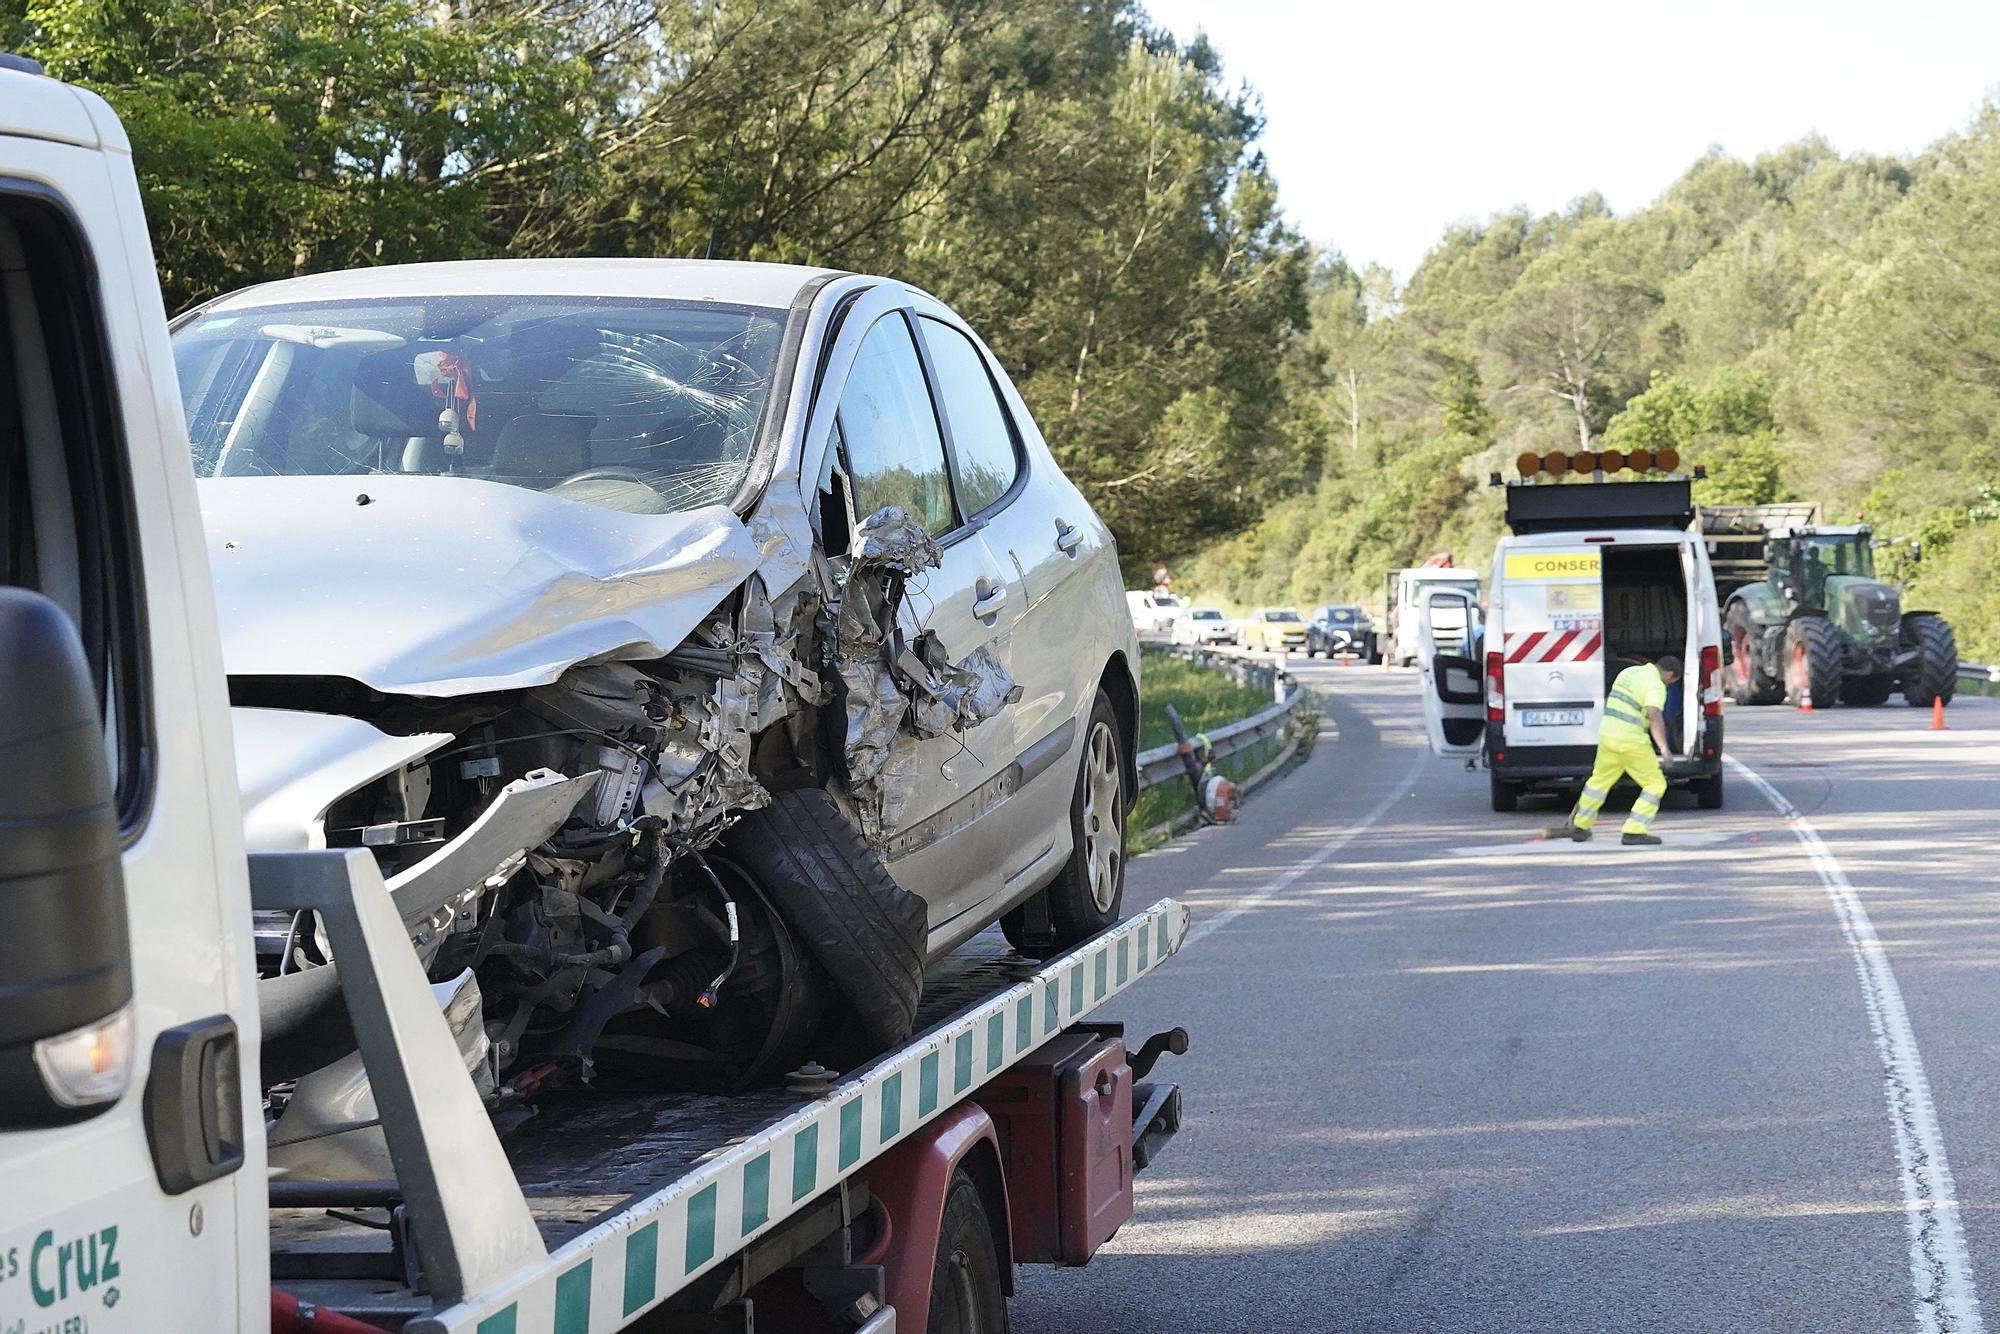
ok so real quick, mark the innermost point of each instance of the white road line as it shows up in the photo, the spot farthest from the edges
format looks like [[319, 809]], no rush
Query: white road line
[[1207, 923], [1947, 1299]]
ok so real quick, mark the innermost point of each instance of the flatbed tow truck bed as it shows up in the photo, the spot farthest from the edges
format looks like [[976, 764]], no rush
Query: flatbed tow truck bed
[[638, 1195]]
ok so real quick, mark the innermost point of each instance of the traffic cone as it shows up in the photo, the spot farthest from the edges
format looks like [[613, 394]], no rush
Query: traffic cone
[[1805, 698], [1937, 713]]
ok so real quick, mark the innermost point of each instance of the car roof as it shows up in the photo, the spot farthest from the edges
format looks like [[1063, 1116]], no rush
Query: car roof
[[739, 283]]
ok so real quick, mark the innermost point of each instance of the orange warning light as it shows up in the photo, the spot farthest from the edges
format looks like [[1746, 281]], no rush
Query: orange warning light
[[1554, 464], [1667, 459], [1640, 460], [1611, 460], [1528, 464]]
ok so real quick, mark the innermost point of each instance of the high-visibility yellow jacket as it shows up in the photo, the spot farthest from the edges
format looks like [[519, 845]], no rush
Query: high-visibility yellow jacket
[[1636, 690]]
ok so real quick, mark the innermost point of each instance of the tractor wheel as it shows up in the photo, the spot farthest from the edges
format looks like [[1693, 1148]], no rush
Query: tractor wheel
[[1812, 661], [1936, 675], [1748, 683], [1866, 690]]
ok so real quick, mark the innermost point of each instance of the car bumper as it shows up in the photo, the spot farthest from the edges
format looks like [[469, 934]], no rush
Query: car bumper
[[1568, 766]]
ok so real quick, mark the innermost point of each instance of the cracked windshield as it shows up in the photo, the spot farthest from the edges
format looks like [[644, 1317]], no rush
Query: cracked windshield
[[644, 406]]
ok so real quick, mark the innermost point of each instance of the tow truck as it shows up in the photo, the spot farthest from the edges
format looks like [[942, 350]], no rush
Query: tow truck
[[898, 1196]]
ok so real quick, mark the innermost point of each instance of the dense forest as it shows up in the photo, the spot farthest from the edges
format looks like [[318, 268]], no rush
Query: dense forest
[[1089, 194], [1082, 189], [1807, 325]]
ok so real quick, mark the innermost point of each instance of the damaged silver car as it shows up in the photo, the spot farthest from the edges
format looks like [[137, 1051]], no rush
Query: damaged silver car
[[699, 648]]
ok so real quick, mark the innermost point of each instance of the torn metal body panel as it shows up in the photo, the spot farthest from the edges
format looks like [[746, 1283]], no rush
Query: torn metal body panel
[[899, 684], [562, 599], [291, 766], [525, 815]]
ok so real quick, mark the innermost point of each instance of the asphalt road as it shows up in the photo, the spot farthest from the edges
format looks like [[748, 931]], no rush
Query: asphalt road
[[1448, 1078]]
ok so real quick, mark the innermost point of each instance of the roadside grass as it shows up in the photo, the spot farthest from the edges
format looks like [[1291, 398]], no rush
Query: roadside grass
[[1205, 698]]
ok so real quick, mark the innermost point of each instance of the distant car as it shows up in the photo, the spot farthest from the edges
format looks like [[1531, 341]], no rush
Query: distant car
[[1152, 612], [1204, 625], [1275, 628], [1340, 629]]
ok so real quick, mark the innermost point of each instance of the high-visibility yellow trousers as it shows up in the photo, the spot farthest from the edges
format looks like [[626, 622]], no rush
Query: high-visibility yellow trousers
[[1616, 757]]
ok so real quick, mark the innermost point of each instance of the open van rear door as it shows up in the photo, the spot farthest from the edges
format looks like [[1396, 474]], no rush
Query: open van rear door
[[1454, 693]]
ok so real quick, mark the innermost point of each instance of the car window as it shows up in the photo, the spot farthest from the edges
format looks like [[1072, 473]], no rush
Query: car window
[[984, 458], [66, 527], [635, 405], [895, 454]]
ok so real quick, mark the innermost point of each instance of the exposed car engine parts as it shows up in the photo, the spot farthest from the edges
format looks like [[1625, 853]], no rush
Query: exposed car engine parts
[[604, 856]]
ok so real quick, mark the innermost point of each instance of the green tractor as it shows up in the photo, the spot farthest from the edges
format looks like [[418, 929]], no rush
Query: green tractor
[[1804, 612]]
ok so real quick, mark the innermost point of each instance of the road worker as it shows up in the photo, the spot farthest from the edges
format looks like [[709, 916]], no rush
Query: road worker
[[1631, 711]]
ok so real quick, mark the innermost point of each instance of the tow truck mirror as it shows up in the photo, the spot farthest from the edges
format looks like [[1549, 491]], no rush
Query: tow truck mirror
[[65, 962]]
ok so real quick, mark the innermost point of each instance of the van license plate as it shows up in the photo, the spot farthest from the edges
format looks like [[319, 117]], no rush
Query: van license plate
[[1553, 717]]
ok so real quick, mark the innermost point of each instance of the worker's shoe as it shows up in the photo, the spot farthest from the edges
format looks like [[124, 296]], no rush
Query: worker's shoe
[[1573, 832], [1641, 840]]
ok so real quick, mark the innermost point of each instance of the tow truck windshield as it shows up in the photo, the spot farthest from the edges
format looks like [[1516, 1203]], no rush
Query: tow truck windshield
[[641, 406]]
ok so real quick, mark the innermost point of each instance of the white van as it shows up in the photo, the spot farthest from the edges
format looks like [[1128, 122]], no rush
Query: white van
[[1595, 579]]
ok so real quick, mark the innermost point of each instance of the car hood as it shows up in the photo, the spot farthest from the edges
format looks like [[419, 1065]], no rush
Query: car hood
[[449, 585]]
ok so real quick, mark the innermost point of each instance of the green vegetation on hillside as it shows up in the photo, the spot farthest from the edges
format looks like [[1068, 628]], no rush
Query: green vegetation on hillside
[[1806, 326], [1080, 187]]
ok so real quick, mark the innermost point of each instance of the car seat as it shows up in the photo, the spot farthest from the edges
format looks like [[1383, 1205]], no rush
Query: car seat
[[539, 449]]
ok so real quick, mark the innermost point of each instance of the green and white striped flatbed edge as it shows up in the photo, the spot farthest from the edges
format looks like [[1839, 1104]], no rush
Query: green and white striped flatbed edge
[[609, 1276]]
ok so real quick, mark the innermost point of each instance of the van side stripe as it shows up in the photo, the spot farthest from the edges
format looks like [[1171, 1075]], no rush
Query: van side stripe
[[1526, 646]]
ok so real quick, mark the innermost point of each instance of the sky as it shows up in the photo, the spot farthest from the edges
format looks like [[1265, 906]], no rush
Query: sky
[[1387, 122]]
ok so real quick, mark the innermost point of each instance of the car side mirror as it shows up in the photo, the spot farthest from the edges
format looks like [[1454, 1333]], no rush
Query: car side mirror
[[65, 961]]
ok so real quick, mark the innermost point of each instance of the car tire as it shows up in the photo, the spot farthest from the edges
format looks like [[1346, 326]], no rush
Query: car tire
[[1088, 894], [1506, 796], [967, 1292], [834, 892]]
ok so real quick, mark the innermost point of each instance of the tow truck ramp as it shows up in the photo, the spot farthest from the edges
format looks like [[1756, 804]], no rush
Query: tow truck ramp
[[638, 1195]]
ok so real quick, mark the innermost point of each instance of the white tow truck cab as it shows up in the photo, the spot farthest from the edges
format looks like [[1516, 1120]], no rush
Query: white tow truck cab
[[1595, 578], [1451, 629], [132, 1125]]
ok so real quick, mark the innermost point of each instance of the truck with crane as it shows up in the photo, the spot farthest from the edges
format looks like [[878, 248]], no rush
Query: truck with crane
[[134, 1106]]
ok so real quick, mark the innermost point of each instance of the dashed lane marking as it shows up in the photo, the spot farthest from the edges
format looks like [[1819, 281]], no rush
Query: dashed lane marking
[[1207, 923], [1947, 1299]]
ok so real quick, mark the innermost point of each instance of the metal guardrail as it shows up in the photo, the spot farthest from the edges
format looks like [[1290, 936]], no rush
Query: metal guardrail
[[1162, 764], [1982, 672]]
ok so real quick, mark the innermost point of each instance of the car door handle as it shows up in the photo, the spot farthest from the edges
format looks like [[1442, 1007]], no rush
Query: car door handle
[[1069, 537], [988, 599]]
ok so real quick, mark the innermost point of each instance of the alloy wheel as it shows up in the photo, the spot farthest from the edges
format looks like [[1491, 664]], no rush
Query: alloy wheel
[[1103, 815]]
